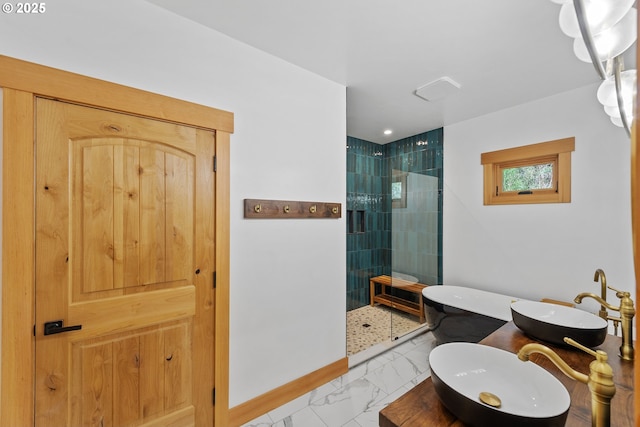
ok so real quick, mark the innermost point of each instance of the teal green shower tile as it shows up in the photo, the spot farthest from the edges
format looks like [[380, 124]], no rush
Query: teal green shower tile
[[372, 253], [351, 182]]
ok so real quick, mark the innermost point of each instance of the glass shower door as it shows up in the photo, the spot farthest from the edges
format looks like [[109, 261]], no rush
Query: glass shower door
[[415, 206]]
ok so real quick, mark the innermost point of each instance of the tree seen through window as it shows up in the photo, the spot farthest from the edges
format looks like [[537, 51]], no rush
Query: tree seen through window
[[533, 177]]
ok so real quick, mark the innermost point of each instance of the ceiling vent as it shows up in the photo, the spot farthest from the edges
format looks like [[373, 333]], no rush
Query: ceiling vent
[[437, 89]]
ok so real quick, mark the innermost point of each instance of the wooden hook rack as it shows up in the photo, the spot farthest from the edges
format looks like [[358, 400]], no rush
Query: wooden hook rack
[[258, 208]]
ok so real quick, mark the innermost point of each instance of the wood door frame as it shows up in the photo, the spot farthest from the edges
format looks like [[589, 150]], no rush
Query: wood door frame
[[21, 82], [635, 228]]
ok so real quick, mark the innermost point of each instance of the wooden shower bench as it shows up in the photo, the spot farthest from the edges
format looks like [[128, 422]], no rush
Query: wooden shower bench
[[386, 298]]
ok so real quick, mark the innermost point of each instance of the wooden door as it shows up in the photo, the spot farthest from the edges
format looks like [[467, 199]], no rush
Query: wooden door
[[124, 248]]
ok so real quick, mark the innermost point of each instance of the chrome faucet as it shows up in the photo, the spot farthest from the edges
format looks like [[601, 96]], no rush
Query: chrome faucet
[[627, 311], [599, 380]]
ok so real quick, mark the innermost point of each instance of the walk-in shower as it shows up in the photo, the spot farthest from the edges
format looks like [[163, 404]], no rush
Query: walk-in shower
[[394, 234]]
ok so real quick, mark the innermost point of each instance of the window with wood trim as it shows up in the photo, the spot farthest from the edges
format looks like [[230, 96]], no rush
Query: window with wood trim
[[537, 173]]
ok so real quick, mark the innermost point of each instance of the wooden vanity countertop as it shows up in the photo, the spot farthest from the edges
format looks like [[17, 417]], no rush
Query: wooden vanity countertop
[[421, 406]]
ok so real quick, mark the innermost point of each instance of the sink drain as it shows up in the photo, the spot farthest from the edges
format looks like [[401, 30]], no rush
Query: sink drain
[[490, 399]]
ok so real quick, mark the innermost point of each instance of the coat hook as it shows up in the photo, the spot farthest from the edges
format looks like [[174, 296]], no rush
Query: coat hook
[[286, 209], [257, 208], [334, 210], [312, 209]]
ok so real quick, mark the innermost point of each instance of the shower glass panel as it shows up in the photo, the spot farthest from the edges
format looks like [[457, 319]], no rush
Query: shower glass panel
[[415, 205], [414, 248], [393, 215]]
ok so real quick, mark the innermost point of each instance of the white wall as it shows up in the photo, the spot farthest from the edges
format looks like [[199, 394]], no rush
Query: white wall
[[545, 250], [287, 308]]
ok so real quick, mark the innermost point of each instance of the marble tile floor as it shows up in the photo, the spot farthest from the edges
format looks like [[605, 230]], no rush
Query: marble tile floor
[[355, 398]]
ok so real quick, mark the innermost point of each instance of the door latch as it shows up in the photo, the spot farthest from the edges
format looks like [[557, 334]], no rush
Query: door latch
[[57, 327]]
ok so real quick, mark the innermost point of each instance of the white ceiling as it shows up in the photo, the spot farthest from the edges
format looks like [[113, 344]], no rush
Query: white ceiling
[[502, 53]]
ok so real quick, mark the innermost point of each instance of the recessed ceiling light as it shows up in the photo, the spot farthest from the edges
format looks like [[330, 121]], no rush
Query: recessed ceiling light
[[388, 131]]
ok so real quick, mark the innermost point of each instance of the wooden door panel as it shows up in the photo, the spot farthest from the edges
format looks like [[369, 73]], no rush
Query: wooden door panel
[[132, 216], [52, 272], [124, 248], [94, 365], [132, 378], [92, 122], [152, 369], [152, 217], [127, 380], [179, 201], [117, 314], [94, 211], [177, 372], [127, 226]]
